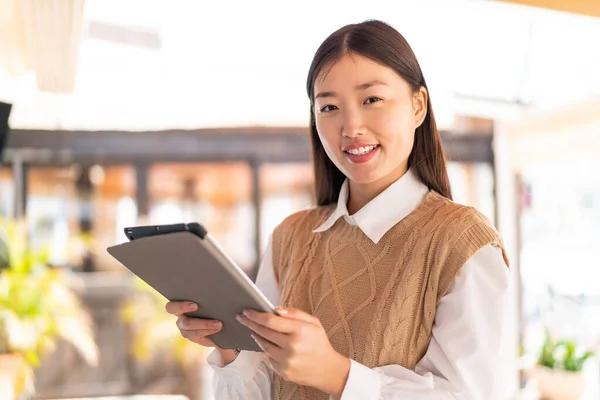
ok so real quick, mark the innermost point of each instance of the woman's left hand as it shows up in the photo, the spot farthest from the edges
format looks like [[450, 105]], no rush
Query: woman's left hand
[[299, 349]]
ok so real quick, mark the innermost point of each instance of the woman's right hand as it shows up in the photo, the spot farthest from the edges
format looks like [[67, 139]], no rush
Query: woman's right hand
[[196, 330]]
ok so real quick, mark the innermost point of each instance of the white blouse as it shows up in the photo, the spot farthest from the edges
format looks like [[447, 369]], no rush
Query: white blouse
[[463, 360]]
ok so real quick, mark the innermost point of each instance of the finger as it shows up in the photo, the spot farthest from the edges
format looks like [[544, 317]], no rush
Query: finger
[[271, 349], [180, 307], [271, 335], [191, 324], [197, 335], [295, 313], [273, 322]]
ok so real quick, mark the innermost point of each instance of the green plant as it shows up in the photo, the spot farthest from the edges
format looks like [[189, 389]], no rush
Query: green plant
[[155, 336], [562, 354], [37, 303], [154, 330]]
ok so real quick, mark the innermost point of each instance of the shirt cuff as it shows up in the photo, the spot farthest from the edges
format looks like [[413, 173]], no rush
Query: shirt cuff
[[245, 365], [363, 383]]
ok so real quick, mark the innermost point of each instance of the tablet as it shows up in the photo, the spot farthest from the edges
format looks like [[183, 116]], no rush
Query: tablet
[[183, 262]]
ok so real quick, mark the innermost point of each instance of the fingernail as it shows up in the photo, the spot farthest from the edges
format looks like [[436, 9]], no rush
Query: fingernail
[[239, 317], [257, 342], [216, 324], [281, 311], [246, 313], [191, 306]]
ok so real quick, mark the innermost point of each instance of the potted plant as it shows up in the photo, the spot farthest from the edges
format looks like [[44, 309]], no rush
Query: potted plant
[[37, 308], [156, 337], [558, 373]]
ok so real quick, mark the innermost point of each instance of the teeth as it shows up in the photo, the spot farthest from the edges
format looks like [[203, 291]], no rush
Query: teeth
[[361, 151]]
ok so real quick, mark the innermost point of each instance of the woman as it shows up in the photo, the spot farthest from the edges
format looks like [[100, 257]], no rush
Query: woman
[[388, 289]]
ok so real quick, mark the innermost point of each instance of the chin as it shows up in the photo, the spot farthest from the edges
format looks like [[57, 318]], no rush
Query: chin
[[363, 178]]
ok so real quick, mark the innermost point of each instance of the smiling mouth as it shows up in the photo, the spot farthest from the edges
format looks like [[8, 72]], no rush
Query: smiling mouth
[[361, 151]]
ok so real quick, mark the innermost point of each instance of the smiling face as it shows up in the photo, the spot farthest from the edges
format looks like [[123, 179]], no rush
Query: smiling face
[[366, 116]]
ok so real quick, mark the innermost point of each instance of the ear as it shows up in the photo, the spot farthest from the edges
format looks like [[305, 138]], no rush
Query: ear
[[420, 106]]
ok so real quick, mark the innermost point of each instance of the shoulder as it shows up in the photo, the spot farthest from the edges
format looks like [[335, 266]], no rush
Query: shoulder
[[305, 220], [459, 233], [456, 219], [464, 229]]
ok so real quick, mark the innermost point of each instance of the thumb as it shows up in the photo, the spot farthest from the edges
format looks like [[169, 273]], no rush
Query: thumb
[[298, 314]]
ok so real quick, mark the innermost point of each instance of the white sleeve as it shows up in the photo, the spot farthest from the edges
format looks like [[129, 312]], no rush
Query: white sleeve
[[463, 357], [249, 377]]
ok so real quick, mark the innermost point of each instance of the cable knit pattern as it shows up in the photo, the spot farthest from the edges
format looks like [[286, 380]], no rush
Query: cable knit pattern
[[377, 302]]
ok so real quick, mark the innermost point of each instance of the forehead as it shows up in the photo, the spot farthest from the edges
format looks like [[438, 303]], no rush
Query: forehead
[[354, 69]]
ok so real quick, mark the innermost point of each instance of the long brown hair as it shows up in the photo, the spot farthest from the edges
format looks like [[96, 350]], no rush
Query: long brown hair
[[383, 44]]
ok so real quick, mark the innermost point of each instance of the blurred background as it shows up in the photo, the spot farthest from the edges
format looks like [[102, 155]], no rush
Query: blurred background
[[153, 112]]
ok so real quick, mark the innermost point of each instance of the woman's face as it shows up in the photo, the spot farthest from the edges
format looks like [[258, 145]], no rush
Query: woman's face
[[366, 116]]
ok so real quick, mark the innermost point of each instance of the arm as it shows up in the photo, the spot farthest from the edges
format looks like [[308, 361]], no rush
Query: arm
[[248, 376], [463, 358]]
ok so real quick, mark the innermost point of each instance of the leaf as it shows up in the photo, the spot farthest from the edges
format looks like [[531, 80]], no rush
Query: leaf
[[562, 354], [547, 358], [154, 330], [24, 377], [37, 305], [32, 357]]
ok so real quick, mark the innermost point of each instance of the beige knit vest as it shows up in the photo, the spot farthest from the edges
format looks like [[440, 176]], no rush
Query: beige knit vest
[[377, 302]]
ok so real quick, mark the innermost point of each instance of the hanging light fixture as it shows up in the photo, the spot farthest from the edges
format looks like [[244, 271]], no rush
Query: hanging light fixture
[[13, 49], [42, 35]]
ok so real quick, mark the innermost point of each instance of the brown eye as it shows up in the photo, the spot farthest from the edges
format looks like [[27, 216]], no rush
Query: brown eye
[[328, 108], [372, 100]]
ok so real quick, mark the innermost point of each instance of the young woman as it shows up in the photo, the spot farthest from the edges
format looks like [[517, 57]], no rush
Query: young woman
[[387, 289]]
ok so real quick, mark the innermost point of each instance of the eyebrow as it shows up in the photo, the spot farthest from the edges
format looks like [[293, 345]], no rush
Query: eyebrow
[[362, 86]]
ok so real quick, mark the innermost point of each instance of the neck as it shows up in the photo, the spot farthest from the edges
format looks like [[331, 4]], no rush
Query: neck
[[361, 194]]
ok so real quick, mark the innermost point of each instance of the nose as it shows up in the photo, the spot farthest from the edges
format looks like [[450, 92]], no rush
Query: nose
[[352, 123]]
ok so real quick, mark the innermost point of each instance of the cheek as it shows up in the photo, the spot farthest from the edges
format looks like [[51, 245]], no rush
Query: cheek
[[328, 136], [397, 134]]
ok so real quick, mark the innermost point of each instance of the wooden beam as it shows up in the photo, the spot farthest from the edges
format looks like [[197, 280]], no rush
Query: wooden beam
[[142, 192], [584, 7], [585, 113], [21, 180], [257, 205], [468, 148], [266, 145], [115, 147]]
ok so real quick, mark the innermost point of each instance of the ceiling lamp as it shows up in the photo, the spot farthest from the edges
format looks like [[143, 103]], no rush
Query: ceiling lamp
[[42, 35]]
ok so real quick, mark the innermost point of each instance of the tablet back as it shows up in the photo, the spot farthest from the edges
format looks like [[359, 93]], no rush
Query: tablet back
[[183, 267]]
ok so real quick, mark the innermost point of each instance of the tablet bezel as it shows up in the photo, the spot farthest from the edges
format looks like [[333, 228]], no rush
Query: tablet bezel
[[210, 245]]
